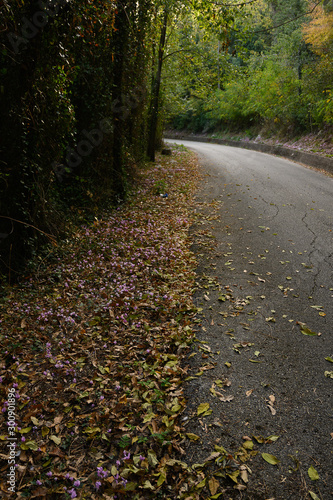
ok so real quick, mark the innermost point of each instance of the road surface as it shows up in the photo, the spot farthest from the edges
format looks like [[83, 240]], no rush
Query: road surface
[[264, 241]]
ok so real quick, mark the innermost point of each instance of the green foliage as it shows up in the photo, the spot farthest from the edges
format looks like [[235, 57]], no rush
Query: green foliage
[[74, 102], [268, 68]]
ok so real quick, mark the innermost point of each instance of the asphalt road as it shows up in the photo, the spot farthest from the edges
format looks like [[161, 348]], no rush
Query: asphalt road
[[264, 241]]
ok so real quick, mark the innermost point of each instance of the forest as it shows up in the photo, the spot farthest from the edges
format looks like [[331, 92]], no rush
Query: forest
[[271, 67], [87, 87]]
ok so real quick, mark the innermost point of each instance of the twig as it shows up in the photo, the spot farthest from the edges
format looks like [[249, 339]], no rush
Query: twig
[[30, 225]]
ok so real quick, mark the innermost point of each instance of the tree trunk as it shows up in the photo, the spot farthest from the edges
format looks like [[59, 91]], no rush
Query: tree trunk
[[153, 115]]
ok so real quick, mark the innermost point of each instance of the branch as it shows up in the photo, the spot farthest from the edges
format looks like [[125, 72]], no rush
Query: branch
[[177, 52], [232, 4], [50, 236], [289, 20]]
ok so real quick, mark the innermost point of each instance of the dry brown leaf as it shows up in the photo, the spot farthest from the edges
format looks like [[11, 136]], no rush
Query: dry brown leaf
[[243, 474], [273, 410], [213, 485], [240, 487], [213, 455], [226, 399], [248, 393]]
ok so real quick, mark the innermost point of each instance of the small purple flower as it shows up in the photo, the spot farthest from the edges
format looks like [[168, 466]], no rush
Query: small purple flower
[[23, 439], [127, 455], [101, 472], [49, 474], [72, 493], [77, 483], [98, 484], [141, 457], [38, 482]]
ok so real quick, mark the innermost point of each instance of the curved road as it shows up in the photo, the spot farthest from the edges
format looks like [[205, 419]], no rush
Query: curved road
[[264, 282]]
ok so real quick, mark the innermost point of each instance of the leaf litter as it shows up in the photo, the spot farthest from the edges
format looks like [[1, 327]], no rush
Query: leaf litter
[[93, 347]]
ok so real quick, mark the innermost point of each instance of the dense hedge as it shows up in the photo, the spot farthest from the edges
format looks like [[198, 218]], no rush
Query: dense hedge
[[74, 98]]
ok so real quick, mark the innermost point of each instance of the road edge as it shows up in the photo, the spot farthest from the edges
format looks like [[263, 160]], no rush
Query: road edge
[[308, 159]]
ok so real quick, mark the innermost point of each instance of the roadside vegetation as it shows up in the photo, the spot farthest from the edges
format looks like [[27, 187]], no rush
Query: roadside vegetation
[[270, 75], [92, 343]]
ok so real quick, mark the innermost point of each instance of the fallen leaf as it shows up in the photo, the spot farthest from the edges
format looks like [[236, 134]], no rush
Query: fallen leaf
[[213, 485], [272, 438], [248, 445], [203, 408], [314, 496], [192, 437], [244, 473], [313, 474], [305, 330], [271, 459], [248, 393], [226, 399], [55, 439]]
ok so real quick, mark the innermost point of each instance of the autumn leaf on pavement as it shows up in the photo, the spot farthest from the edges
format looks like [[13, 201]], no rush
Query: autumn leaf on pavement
[[271, 459]]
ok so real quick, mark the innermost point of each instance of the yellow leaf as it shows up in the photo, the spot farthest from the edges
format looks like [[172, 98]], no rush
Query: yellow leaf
[[313, 474], [202, 408], [202, 484], [55, 439], [314, 496], [161, 479], [25, 430], [192, 437], [148, 417], [248, 445], [45, 431], [270, 458]]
